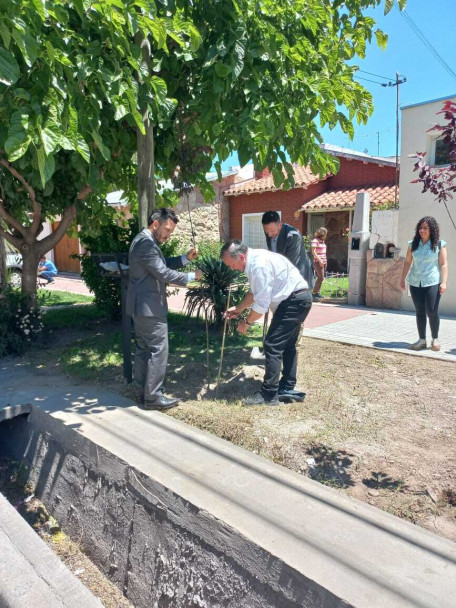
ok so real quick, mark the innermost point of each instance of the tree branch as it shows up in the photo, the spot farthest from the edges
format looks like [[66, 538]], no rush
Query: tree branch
[[24, 182], [52, 239], [36, 222], [12, 221], [16, 242], [36, 207], [84, 193]]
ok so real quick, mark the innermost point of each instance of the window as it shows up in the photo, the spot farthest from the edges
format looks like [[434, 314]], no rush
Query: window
[[252, 230], [441, 153], [314, 222]]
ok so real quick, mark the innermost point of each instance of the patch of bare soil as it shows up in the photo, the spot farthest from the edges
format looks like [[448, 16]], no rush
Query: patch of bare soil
[[20, 493], [378, 425]]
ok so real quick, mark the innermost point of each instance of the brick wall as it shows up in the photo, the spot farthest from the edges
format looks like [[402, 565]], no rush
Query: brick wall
[[351, 173], [288, 202], [358, 173]]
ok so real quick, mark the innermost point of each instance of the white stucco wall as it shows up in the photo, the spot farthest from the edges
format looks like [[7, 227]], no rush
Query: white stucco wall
[[384, 227], [47, 230], [413, 205]]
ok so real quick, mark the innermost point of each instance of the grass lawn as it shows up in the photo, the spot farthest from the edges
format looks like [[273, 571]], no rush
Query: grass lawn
[[335, 287], [71, 319], [97, 356], [61, 298], [376, 425]]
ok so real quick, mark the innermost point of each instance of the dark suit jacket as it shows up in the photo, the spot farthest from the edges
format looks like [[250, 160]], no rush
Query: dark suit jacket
[[291, 245], [149, 272]]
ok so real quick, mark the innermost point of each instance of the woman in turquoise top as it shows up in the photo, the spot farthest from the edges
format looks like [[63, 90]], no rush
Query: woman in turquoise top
[[427, 261]]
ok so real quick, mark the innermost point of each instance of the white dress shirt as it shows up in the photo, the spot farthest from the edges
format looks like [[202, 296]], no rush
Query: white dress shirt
[[272, 279]]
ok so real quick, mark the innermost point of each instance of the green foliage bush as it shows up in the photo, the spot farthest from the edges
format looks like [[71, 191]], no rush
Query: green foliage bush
[[20, 325], [114, 238]]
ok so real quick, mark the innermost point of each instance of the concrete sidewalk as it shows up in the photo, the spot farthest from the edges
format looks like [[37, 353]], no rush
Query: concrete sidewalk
[[70, 282], [31, 574], [382, 329]]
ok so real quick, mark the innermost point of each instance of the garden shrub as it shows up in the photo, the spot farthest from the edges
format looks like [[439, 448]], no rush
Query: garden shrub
[[20, 325], [114, 238], [211, 294]]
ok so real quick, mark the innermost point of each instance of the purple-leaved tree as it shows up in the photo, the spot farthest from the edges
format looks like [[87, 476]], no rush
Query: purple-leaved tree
[[441, 181]]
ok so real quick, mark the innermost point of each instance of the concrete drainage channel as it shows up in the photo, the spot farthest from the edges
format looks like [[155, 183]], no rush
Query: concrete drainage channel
[[161, 551], [177, 518]]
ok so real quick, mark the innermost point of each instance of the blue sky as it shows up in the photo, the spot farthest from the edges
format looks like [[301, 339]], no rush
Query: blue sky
[[405, 53]]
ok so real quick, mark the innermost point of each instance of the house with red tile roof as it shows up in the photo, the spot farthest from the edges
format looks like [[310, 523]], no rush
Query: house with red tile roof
[[314, 201]]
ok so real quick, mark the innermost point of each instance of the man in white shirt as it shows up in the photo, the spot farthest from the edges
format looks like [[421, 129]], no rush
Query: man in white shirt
[[274, 283]]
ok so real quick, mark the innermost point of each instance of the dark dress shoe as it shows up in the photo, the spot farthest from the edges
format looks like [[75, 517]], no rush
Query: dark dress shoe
[[291, 396], [258, 399], [161, 403]]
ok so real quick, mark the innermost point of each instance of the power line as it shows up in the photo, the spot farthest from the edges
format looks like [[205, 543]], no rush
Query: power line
[[372, 134], [377, 75], [369, 80], [425, 41]]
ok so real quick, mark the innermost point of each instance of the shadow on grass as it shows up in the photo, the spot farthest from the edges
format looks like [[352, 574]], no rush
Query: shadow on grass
[[187, 368], [331, 467], [381, 481], [97, 355]]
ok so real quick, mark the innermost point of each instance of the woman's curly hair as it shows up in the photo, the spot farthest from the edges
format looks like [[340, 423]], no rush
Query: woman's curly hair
[[434, 230]]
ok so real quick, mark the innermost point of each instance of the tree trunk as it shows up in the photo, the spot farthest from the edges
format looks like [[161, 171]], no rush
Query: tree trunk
[[3, 271], [145, 148], [31, 256], [146, 173]]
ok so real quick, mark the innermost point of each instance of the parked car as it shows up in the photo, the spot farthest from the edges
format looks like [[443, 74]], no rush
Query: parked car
[[14, 268]]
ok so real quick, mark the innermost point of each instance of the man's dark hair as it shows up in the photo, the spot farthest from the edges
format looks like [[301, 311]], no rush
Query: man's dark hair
[[233, 248], [162, 215], [270, 217]]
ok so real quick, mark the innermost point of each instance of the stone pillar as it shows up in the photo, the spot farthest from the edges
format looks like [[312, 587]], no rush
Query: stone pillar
[[359, 245]]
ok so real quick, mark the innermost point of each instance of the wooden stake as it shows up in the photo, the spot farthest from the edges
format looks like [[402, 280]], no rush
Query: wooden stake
[[223, 343], [207, 350]]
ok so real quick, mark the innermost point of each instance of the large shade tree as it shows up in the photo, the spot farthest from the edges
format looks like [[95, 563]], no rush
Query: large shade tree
[[80, 79]]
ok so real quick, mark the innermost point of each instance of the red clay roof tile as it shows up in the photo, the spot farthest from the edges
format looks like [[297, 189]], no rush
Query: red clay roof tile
[[303, 177], [346, 197]]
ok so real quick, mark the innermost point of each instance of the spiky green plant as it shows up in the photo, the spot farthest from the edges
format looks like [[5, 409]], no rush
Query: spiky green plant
[[211, 294]]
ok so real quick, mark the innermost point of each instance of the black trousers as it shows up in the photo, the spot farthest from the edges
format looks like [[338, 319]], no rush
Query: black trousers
[[426, 301], [280, 344]]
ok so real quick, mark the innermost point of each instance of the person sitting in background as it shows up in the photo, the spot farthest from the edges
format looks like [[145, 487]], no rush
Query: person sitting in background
[[318, 248], [47, 270]]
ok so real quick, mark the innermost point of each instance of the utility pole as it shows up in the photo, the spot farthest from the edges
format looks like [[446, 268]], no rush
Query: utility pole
[[396, 84], [378, 143]]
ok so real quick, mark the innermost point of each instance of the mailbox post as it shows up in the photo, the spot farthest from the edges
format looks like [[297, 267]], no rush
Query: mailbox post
[[359, 244]]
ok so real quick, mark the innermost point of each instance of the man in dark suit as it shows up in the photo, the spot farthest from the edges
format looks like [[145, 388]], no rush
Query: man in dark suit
[[287, 240], [149, 272]]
